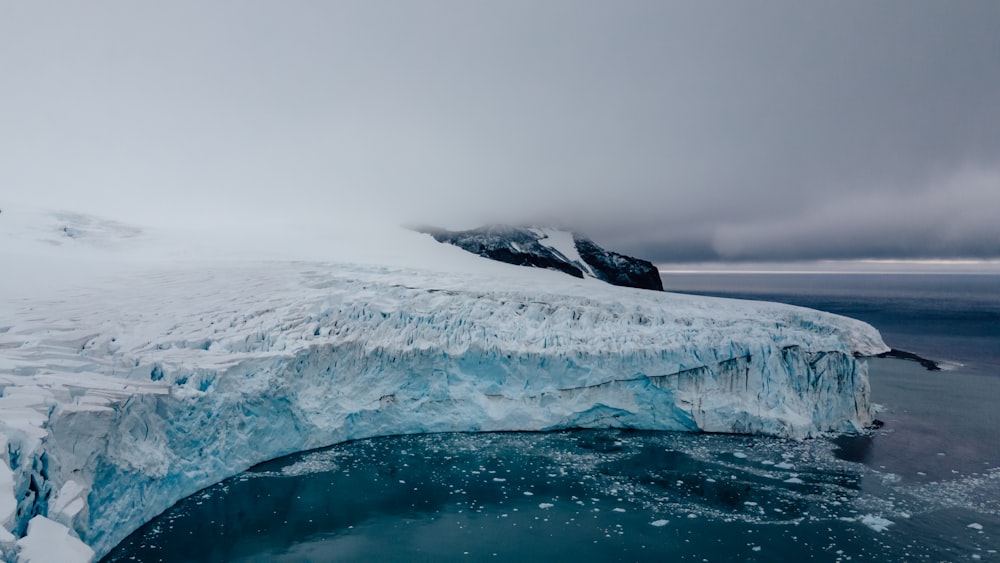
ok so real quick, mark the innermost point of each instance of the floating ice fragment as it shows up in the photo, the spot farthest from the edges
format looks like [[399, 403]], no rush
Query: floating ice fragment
[[975, 526], [659, 523], [544, 505], [740, 455], [876, 523], [619, 510]]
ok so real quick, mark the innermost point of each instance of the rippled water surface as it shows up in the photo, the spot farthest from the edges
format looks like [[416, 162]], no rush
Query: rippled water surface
[[597, 495]]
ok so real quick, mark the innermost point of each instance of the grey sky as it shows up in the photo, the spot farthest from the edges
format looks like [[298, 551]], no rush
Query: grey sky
[[672, 130]]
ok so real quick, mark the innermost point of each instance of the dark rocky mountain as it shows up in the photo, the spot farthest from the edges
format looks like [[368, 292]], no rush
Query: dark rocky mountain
[[553, 249]]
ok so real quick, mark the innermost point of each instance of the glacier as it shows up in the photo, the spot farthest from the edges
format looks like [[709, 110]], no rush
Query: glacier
[[124, 392]]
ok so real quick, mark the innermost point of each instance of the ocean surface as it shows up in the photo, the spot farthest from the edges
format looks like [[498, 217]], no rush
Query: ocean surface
[[951, 318], [925, 487]]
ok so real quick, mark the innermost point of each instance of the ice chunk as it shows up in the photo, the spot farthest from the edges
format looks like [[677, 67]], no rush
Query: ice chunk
[[48, 541], [876, 523], [70, 499]]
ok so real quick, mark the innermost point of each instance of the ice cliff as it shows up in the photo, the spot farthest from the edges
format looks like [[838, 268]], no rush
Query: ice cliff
[[121, 397]]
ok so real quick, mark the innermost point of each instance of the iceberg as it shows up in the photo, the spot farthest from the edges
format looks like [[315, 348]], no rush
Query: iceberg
[[122, 394]]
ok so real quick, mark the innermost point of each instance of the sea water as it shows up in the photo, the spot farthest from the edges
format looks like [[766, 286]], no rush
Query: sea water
[[924, 487], [952, 318]]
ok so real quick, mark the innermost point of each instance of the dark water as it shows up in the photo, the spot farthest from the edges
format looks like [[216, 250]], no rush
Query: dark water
[[926, 487], [950, 318]]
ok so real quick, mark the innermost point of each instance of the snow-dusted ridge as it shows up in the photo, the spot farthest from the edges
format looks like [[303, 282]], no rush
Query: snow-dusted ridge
[[553, 249], [121, 397]]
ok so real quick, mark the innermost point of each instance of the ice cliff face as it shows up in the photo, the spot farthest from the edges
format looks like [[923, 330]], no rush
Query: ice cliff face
[[119, 400], [554, 249]]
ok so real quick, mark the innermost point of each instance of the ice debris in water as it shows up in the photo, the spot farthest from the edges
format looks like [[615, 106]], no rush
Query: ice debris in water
[[876, 523]]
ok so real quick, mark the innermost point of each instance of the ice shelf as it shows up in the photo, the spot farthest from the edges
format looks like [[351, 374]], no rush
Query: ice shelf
[[119, 398]]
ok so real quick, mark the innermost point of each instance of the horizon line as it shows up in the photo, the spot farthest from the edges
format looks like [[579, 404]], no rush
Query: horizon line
[[857, 266]]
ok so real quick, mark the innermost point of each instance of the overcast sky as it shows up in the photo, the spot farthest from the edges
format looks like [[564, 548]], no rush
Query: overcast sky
[[672, 130]]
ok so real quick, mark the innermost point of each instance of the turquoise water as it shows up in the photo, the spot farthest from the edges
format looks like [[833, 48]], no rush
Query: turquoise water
[[925, 487]]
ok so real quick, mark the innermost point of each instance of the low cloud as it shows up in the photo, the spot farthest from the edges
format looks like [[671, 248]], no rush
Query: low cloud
[[680, 131], [951, 217]]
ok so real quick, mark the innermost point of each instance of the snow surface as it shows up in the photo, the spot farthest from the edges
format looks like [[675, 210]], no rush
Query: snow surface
[[137, 367], [563, 244], [48, 541]]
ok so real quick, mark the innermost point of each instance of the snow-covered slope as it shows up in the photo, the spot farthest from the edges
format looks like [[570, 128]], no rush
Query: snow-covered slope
[[159, 372]]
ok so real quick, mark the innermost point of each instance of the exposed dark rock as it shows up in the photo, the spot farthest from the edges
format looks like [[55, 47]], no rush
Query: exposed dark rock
[[618, 269], [929, 365], [530, 247]]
